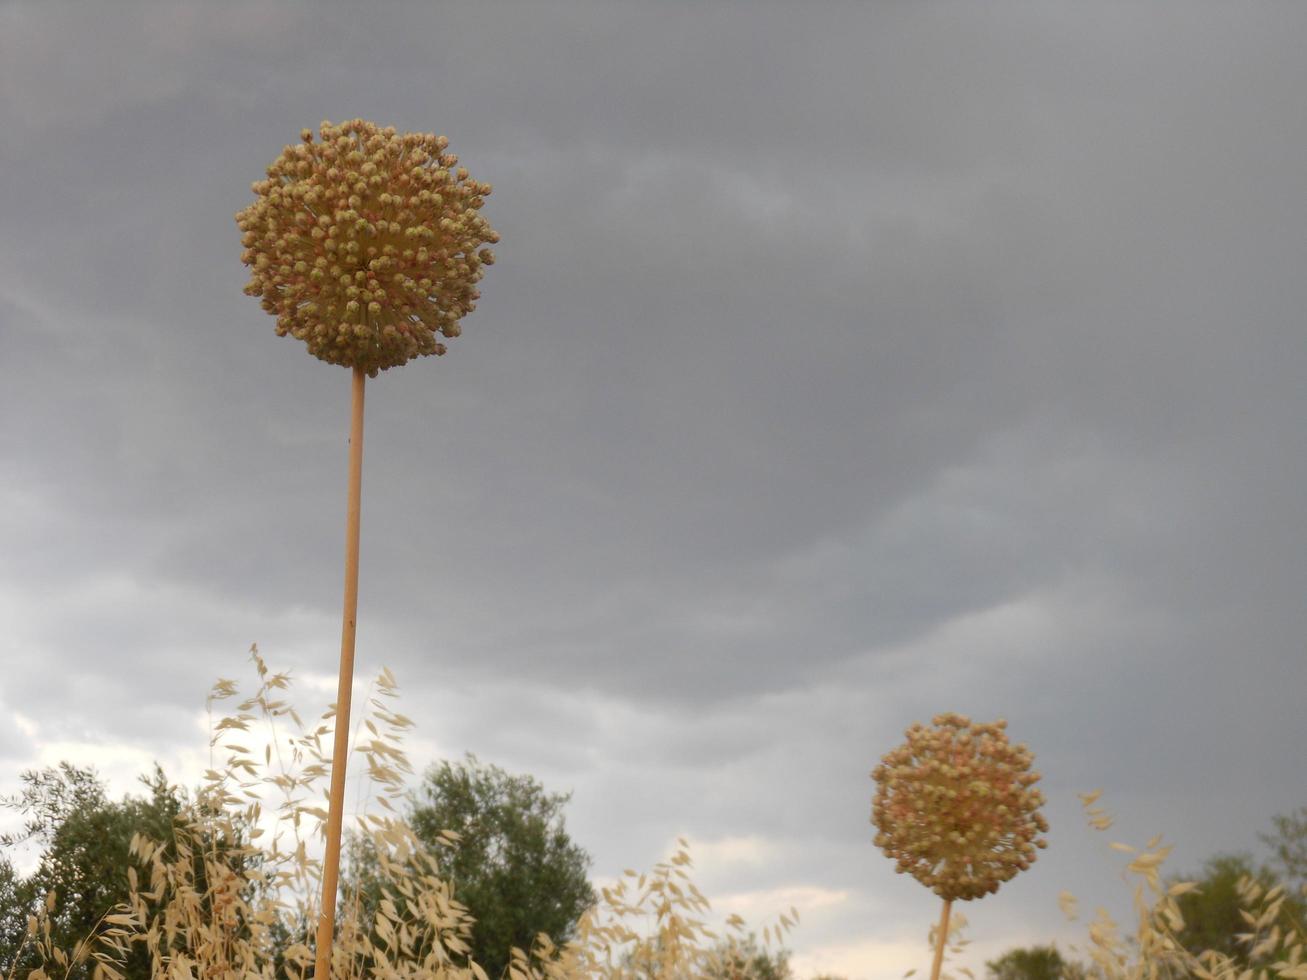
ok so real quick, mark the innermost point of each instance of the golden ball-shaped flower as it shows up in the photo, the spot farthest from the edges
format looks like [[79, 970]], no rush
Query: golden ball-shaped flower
[[956, 808], [367, 244]]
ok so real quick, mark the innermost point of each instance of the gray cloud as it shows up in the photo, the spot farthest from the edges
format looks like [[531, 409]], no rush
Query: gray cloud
[[839, 368]]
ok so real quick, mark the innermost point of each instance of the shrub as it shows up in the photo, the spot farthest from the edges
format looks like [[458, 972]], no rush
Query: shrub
[[232, 889]]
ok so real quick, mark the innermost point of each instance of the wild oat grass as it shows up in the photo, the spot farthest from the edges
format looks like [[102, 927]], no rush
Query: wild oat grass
[[235, 894], [1153, 951]]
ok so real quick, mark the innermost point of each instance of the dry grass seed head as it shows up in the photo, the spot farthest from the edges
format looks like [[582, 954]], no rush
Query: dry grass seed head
[[234, 893]]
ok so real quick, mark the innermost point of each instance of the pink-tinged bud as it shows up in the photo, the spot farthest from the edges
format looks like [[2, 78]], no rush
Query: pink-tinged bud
[[951, 808]]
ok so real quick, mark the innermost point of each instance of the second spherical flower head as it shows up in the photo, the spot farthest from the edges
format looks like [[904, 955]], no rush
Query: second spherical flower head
[[955, 807]]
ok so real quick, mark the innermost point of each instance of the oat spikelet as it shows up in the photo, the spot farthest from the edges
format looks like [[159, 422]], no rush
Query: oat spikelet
[[367, 244], [956, 807]]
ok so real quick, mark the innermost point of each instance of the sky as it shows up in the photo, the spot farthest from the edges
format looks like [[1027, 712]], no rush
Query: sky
[[843, 365]]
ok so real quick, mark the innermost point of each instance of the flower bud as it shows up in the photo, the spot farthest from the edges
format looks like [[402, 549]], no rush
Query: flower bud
[[334, 219], [951, 809]]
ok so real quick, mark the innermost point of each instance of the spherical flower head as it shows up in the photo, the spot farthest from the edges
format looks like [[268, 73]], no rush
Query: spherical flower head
[[367, 244], [956, 807]]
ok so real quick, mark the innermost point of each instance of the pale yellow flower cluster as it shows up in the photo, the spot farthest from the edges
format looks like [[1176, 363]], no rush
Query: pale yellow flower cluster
[[956, 807], [366, 245]]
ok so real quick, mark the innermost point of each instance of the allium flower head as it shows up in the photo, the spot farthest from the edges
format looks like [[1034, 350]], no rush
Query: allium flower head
[[956, 807], [367, 244]]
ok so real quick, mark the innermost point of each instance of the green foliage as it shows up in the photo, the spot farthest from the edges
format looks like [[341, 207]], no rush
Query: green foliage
[[1269, 940], [234, 906], [1288, 844], [225, 885], [1033, 963], [1212, 911], [13, 915], [85, 840], [501, 843]]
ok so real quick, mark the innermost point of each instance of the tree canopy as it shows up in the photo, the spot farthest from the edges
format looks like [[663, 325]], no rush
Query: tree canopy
[[1212, 912], [1033, 963], [512, 862], [84, 838], [1288, 844]]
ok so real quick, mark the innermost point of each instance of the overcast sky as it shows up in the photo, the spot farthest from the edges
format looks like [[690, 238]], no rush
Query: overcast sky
[[843, 364]]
